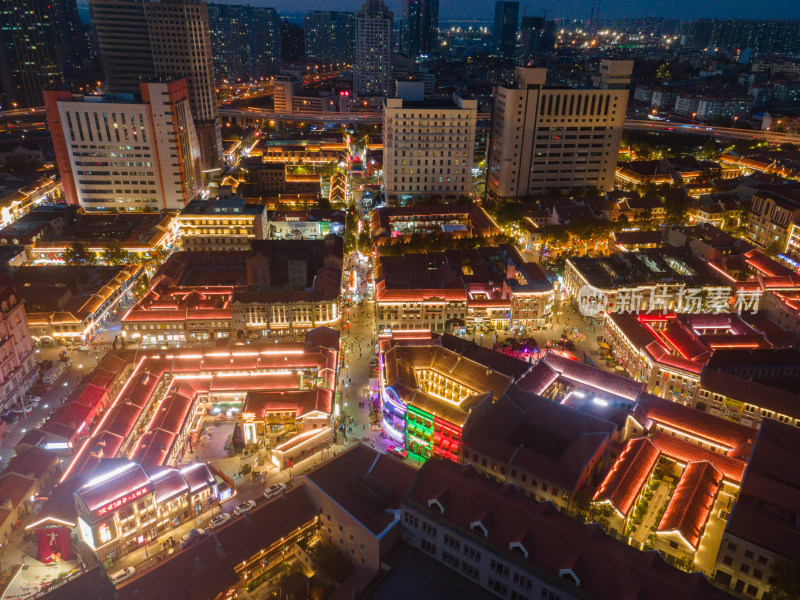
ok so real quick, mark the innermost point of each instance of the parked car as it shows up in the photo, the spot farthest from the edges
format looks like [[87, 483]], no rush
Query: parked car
[[20, 409], [122, 575], [244, 507], [219, 520], [83, 347], [194, 534], [397, 451], [32, 399], [274, 490], [10, 418]]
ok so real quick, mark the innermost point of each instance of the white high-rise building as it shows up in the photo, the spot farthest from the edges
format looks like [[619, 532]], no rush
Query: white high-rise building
[[564, 138], [114, 153], [428, 149], [372, 73]]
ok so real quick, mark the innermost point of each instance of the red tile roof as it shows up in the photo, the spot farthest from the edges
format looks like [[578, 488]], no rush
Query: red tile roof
[[685, 452], [206, 568], [542, 437], [626, 478], [554, 543], [652, 410], [365, 483], [33, 462], [116, 482], [691, 503], [617, 385]]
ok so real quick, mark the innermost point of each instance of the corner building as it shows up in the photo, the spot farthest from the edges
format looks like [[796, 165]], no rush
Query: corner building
[[117, 154], [544, 138]]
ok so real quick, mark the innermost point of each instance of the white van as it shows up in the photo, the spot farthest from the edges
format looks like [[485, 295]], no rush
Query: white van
[[122, 575]]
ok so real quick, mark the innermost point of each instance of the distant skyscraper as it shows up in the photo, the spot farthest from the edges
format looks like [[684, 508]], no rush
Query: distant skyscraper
[[537, 36], [504, 34], [292, 42], [372, 75], [544, 138], [123, 41], [420, 27], [245, 41], [329, 37], [161, 167], [28, 56], [142, 39]]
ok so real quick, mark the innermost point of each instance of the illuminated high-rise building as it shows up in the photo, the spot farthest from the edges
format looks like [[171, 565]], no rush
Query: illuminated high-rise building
[[372, 74], [420, 31]]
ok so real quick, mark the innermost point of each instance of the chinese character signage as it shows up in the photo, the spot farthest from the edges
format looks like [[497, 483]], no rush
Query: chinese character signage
[[112, 506]]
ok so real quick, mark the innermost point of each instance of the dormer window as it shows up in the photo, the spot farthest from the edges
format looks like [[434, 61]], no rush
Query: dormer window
[[478, 526]]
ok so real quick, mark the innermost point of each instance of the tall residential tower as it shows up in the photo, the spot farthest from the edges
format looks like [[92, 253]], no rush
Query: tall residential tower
[[504, 33], [372, 74], [420, 27]]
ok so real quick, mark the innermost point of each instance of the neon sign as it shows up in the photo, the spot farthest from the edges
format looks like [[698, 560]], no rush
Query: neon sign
[[112, 506]]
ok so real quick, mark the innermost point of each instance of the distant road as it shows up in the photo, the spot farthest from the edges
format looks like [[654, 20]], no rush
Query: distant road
[[376, 117]]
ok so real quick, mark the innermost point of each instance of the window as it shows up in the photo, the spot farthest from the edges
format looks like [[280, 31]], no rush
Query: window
[[548, 595], [452, 542], [517, 596], [428, 547], [450, 559], [727, 560], [673, 544], [744, 568], [498, 567], [470, 571], [748, 554], [522, 581], [498, 587], [428, 529], [752, 590], [757, 574], [472, 553]]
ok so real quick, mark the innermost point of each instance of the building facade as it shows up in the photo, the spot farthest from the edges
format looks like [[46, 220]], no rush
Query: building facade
[[428, 149], [545, 138], [19, 367], [245, 41], [372, 72], [28, 56], [139, 39], [420, 28], [123, 155], [224, 224], [504, 32], [330, 37]]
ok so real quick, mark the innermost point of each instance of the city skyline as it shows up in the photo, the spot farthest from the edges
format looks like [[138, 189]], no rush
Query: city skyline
[[482, 10]]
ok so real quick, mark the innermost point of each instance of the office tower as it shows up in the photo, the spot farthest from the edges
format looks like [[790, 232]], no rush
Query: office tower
[[329, 37], [537, 36], [159, 164], [292, 42], [545, 138], [428, 148], [504, 33], [700, 32], [245, 41], [70, 39], [124, 43], [372, 74], [420, 27], [182, 49], [28, 57]]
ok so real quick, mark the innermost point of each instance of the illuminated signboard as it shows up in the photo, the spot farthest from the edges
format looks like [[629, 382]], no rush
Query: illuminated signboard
[[86, 533], [112, 506]]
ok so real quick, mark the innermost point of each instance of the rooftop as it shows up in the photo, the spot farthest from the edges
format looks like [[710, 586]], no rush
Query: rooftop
[[539, 436], [555, 547], [367, 484], [692, 502], [769, 502], [621, 486]]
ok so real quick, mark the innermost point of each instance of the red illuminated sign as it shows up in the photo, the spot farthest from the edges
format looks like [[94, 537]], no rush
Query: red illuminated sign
[[112, 506]]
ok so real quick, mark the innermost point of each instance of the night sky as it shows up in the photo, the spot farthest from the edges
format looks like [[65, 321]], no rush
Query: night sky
[[484, 9]]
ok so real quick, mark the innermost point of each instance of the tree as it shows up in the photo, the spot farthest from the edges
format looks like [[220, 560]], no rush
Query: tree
[[78, 254], [364, 242], [785, 582], [329, 169], [117, 255], [676, 207], [156, 257]]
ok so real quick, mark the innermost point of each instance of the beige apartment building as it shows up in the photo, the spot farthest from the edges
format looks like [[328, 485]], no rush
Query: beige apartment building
[[544, 138], [428, 148]]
